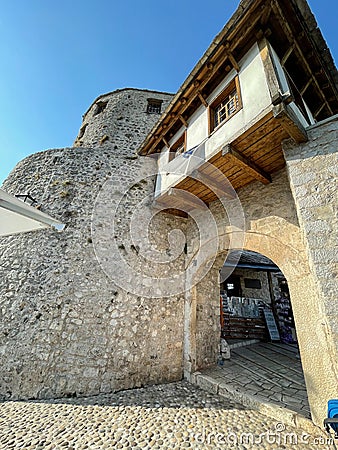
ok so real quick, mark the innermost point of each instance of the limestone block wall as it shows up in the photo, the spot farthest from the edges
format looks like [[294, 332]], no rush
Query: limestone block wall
[[313, 170], [208, 319], [67, 327]]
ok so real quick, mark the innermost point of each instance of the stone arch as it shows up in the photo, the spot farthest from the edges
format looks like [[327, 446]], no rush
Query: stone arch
[[282, 242]]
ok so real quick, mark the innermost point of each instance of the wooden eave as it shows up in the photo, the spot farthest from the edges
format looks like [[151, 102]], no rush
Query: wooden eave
[[292, 30]]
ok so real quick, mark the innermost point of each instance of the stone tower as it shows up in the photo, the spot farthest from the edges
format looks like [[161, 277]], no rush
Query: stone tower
[[66, 328]]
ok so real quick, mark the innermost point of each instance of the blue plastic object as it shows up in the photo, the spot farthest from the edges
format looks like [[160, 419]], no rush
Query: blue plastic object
[[332, 416]]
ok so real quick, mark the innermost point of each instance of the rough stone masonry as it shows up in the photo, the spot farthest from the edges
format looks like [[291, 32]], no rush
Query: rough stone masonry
[[104, 306], [66, 329]]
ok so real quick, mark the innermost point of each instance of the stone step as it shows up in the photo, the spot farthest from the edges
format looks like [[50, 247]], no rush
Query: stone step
[[241, 343]]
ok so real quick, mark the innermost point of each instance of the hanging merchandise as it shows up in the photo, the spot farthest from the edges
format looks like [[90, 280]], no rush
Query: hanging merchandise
[[285, 319]]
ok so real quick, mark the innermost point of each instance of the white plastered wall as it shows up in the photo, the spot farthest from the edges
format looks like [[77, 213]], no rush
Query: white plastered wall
[[256, 101]]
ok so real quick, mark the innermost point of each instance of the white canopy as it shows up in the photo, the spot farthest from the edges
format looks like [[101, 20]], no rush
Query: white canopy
[[18, 217]]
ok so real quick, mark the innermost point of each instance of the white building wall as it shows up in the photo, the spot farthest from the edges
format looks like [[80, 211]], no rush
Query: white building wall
[[256, 102]]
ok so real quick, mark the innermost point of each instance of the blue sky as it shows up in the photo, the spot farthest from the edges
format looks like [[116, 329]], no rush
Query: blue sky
[[57, 57]]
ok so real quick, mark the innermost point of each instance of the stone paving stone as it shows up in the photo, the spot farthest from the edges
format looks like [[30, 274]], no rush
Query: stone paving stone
[[172, 416], [265, 378], [276, 397]]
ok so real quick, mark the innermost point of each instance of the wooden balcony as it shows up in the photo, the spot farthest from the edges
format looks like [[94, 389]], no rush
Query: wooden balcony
[[253, 156]]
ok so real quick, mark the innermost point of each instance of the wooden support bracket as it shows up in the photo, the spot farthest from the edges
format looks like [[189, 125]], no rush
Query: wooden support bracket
[[290, 122], [233, 61], [203, 100], [308, 84], [221, 189], [294, 41], [265, 14], [166, 143], [249, 167], [319, 109], [167, 208], [184, 122], [185, 198], [287, 54]]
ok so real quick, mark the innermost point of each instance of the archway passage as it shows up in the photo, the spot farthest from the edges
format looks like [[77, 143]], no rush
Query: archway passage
[[259, 355], [202, 312], [255, 302]]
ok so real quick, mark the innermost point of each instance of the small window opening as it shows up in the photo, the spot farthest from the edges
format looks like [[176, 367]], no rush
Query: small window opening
[[99, 107], [252, 283], [225, 105], [154, 106], [82, 130], [226, 108]]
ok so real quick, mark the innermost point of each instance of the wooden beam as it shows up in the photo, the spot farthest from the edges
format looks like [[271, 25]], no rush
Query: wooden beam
[[233, 61], [246, 26], [259, 34], [287, 54], [308, 84], [319, 110], [221, 189], [168, 209], [270, 72], [265, 13], [165, 142], [293, 41], [290, 122], [164, 201], [182, 119], [248, 166], [203, 100], [161, 202], [186, 198]]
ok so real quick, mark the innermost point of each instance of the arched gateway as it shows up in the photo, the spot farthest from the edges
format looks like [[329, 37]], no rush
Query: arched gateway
[[272, 231]]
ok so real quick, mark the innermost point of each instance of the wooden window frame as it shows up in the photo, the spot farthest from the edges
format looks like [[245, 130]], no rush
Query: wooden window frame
[[233, 86], [154, 106], [179, 144]]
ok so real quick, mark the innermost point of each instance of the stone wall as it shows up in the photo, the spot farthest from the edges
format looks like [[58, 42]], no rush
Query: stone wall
[[313, 170], [101, 306], [120, 120], [272, 229], [267, 210], [67, 327], [263, 293]]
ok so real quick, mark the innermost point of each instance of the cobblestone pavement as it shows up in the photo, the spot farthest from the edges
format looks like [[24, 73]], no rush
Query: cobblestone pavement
[[171, 416]]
